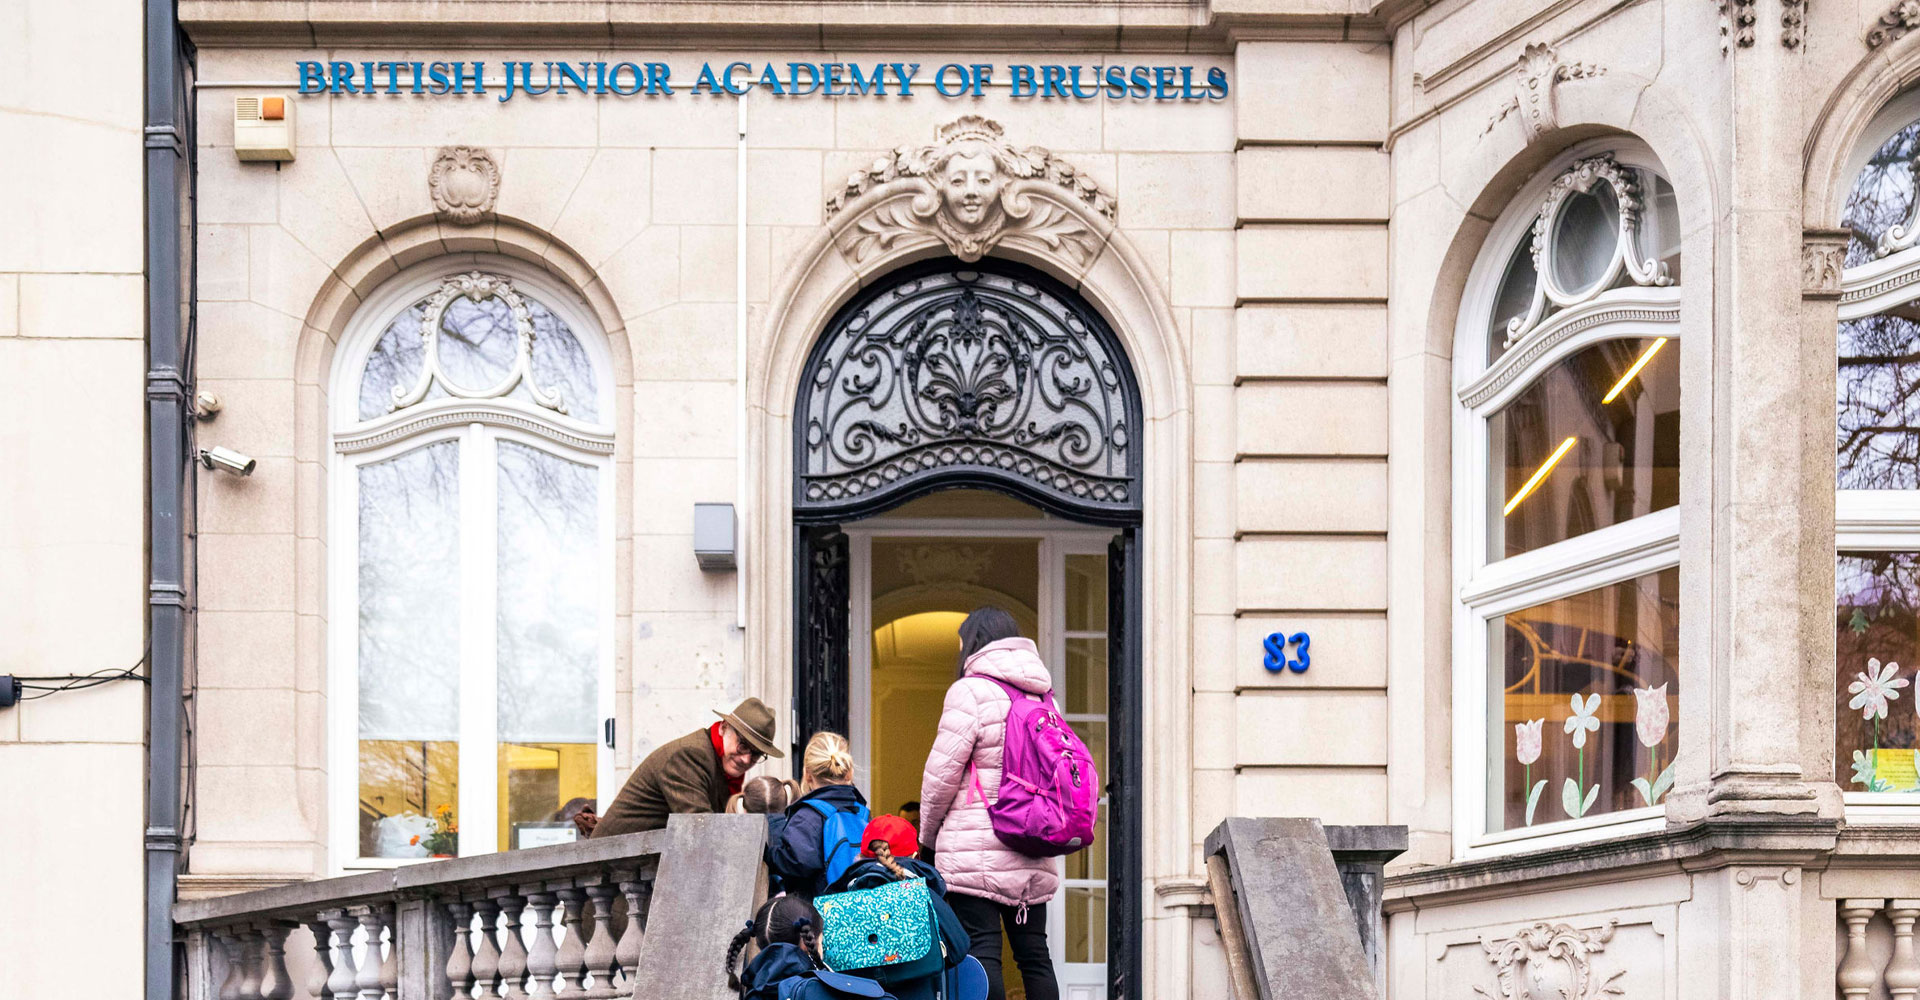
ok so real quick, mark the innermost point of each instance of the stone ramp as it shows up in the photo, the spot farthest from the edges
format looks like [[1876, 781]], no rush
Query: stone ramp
[[1299, 906]]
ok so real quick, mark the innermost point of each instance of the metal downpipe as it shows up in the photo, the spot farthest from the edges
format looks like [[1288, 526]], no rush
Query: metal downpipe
[[167, 443]]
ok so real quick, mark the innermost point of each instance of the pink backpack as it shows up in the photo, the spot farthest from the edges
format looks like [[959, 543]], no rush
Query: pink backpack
[[1049, 789]]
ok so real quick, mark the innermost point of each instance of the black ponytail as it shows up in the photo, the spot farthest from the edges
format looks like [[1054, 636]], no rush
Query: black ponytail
[[733, 957]]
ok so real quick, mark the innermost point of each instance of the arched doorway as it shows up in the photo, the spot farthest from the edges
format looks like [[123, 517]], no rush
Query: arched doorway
[[994, 379]]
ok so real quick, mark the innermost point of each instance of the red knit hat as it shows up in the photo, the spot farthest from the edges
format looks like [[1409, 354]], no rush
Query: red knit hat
[[902, 839]]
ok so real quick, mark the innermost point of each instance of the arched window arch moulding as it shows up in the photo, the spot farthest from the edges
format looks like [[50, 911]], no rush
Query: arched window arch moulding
[[1034, 210], [1639, 113], [503, 246]]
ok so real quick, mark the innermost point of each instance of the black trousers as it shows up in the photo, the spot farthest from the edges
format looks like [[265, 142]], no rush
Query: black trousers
[[983, 919]]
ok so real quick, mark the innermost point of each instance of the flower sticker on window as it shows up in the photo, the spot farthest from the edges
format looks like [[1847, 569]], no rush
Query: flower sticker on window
[[1650, 724], [1526, 748], [1575, 797], [1873, 690]]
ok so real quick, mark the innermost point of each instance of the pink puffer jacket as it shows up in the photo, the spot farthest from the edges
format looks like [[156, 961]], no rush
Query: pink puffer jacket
[[953, 817]]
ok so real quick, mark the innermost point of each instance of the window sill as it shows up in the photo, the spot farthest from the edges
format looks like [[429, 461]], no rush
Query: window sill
[[1705, 845], [1567, 833]]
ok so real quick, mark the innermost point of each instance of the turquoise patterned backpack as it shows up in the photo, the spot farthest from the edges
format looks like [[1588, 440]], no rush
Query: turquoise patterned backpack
[[888, 933]]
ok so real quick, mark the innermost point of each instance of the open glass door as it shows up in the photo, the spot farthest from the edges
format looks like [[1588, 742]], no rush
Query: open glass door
[[1077, 920]]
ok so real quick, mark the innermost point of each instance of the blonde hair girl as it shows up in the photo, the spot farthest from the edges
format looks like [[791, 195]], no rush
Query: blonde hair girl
[[797, 855], [827, 761]]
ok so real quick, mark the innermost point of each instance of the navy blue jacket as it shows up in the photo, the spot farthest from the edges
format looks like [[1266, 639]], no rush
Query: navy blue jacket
[[794, 857]]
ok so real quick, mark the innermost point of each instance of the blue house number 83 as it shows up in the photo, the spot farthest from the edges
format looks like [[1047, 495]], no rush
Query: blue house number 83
[[1276, 658]]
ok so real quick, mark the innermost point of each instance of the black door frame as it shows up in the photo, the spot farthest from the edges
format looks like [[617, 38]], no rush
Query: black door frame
[[821, 682]]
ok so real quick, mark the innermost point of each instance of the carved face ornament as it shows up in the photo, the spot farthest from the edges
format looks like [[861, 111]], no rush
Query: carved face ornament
[[970, 185]]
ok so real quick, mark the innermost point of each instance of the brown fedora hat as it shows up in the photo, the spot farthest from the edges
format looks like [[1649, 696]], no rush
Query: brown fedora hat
[[753, 720]]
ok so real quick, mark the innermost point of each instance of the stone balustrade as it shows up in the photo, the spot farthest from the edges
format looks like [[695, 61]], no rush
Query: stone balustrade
[[1868, 968], [645, 915]]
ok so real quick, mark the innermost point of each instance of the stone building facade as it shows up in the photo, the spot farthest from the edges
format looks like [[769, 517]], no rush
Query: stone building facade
[[1414, 413]]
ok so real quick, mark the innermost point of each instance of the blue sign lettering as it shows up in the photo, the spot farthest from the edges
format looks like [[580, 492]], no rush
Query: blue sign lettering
[[1276, 652]]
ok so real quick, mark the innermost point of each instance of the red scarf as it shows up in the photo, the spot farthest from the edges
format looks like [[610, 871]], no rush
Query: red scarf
[[720, 751]]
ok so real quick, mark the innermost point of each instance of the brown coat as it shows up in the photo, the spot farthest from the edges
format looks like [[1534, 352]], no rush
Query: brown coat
[[679, 777]]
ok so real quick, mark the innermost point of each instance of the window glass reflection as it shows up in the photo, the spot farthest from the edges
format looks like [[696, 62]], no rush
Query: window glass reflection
[[1878, 646], [1593, 442], [548, 639], [1878, 439], [1882, 194], [1585, 235], [1513, 300], [409, 650], [478, 346], [1585, 711]]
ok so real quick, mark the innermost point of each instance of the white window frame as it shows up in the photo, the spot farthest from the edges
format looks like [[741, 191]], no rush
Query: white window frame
[[478, 425], [1486, 589], [1877, 520]]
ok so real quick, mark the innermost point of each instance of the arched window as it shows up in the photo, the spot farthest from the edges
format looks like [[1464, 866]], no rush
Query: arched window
[[1567, 486], [472, 566], [1877, 459]]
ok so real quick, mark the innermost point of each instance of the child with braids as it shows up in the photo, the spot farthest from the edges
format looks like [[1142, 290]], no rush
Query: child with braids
[[786, 932]]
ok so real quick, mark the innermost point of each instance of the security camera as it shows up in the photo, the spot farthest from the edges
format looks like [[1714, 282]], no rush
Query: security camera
[[227, 460]]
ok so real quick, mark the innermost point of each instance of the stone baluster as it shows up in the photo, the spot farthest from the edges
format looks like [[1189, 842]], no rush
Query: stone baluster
[[233, 948], [368, 979], [513, 949], [599, 957], [1857, 976], [486, 952], [627, 952], [342, 985], [276, 983], [323, 958], [390, 968], [571, 959], [251, 944], [460, 956], [541, 963], [1903, 971]]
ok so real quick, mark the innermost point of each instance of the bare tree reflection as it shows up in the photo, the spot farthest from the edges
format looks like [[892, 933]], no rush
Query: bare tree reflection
[[548, 635]]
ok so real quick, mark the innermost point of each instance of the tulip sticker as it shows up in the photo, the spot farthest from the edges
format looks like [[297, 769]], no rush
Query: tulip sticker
[[1650, 724], [1526, 747], [1575, 797]]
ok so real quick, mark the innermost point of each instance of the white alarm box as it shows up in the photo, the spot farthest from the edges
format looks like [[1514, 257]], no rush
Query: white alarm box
[[263, 128]]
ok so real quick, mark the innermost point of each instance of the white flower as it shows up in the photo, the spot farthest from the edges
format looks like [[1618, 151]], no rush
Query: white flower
[[1526, 740], [1874, 688], [1650, 721], [1582, 721]]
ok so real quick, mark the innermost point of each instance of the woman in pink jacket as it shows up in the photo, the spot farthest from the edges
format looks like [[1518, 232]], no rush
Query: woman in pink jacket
[[989, 884]]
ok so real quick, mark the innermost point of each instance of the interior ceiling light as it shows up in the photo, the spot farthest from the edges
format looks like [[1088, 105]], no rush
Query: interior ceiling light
[[1645, 356], [1540, 474]]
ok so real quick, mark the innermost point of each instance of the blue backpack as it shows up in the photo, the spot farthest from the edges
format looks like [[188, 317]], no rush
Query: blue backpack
[[840, 831]]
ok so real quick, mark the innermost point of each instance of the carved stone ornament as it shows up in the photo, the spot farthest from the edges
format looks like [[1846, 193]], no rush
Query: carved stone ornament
[[1534, 79], [1823, 256], [1902, 18], [1582, 177], [1551, 961], [464, 182], [1736, 24], [971, 190], [1793, 23], [970, 373], [478, 287], [945, 563]]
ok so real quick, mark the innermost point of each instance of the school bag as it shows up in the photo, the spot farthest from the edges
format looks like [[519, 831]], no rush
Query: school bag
[[1049, 789], [888, 932], [840, 831]]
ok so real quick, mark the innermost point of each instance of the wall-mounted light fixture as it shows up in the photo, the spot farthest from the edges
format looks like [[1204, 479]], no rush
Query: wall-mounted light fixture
[[713, 535]]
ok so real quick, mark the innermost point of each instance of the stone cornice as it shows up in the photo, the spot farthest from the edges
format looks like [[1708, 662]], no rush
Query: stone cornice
[[1704, 846], [1180, 26]]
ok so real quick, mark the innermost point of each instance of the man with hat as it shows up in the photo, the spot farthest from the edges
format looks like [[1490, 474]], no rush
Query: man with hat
[[693, 774]]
